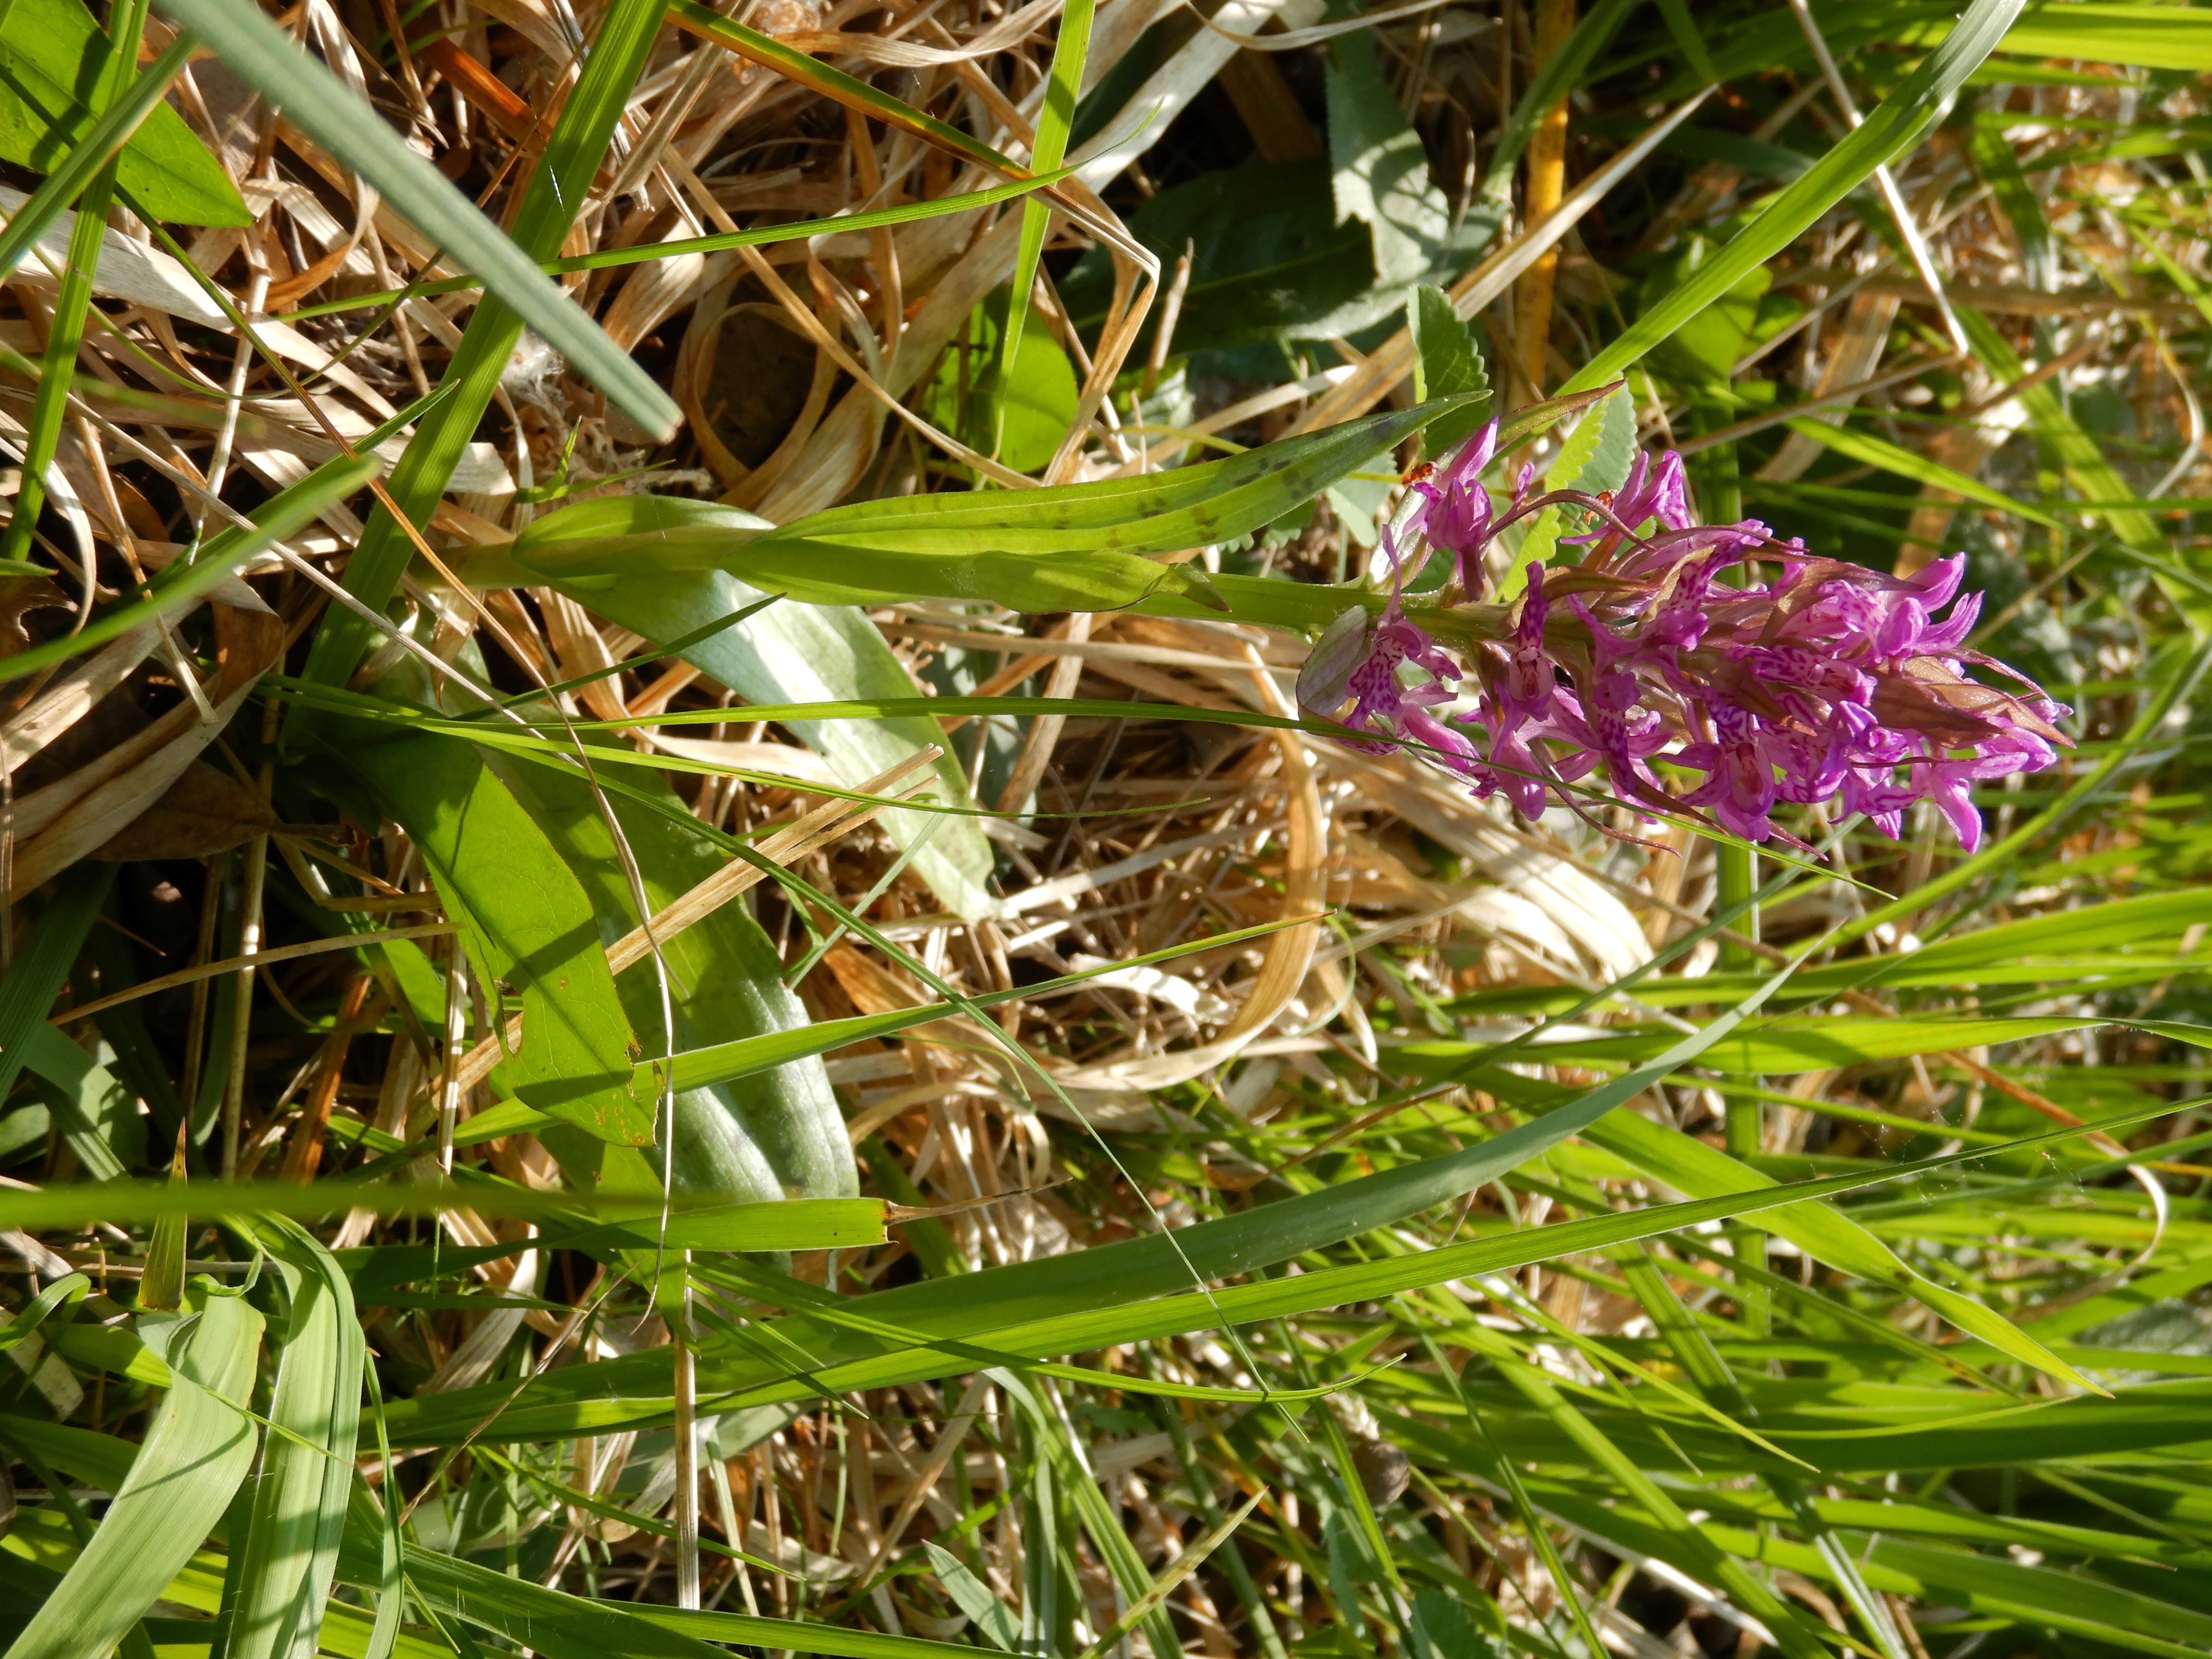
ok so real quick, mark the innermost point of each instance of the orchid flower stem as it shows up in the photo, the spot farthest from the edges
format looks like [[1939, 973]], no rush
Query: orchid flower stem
[[1735, 874]]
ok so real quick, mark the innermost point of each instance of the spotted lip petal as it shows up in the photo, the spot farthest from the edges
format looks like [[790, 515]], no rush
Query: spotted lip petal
[[1832, 683]]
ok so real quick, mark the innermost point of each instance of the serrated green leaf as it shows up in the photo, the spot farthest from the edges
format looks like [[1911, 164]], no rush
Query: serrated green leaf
[[1447, 364], [1594, 458]]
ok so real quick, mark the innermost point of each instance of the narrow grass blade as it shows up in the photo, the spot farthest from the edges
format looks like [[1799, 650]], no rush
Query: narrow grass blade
[[698, 1221], [1891, 128], [1064, 82], [195, 1454], [36, 976], [281, 1572], [261, 54], [281, 516], [557, 192]]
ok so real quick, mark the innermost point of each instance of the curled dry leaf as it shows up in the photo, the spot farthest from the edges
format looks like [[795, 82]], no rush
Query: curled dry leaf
[[205, 811]]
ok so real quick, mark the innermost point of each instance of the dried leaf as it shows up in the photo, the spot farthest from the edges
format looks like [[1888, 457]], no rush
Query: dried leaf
[[205, 811]]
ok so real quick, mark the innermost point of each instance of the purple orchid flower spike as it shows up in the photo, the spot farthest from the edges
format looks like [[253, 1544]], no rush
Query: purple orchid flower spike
[[1458, 513], [1830, 684], [1656, 491], [1354, 659]]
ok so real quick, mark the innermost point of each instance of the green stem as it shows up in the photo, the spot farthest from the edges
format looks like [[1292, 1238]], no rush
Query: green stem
[[74, 298], [1736, 873]]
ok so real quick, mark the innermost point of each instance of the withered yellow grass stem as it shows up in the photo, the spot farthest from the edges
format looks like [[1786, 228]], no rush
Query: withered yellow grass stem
[[1545, 188]]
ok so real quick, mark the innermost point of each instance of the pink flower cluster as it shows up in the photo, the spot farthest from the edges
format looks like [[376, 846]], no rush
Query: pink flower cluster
[[1828, 682]]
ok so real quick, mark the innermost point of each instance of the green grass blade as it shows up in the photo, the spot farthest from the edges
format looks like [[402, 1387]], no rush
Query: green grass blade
[[723, 1061], [834, 84], [612, 259], [1063, 83], [1871, 451], [182, 584], [36, 976], [195, 1454], [558, 190], [697, 1220], [1891, 128], [565, 1626], [633, 1393], [65, 330], [281, 1572], [261, 55]]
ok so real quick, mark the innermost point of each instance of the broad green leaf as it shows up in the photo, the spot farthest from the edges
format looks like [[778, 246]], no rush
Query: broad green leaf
[[1270, 260], [1021, 417], [723, 1063], [1704, 352], [197, 1451], [34, 979], [1595, 459], [41, 1536], [1891, 128], [97, 1114], [281, 1571], [77, 170], [163, 167], [69, 1289], [771, 1133], [1379, 172], [529, 925], [827, 653], [1161, 512], [585, 545], [2148, 36]]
